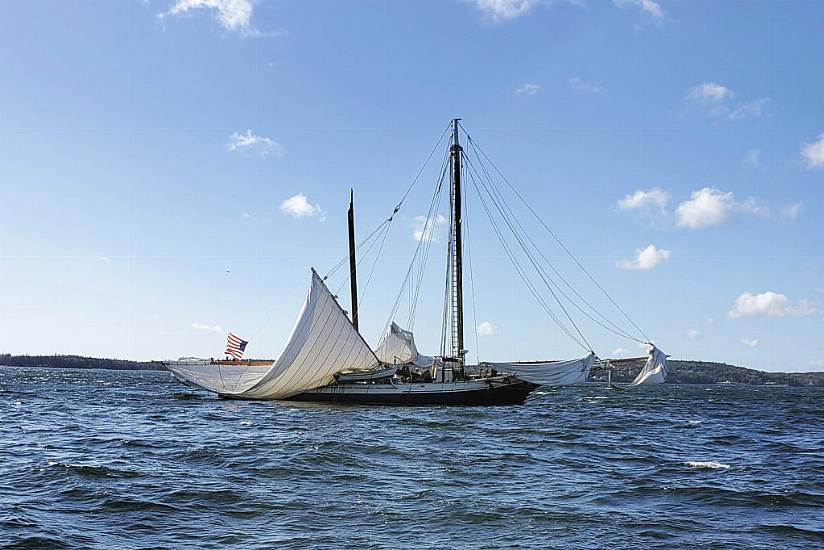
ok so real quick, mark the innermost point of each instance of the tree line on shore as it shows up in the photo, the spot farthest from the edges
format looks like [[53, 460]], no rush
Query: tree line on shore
[[623, 371]]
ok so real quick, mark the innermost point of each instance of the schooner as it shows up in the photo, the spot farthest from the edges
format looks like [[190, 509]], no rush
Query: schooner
[[327, 359]]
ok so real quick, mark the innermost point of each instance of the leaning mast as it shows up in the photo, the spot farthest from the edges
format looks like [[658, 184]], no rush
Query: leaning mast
[[456, 252], [353, 265]]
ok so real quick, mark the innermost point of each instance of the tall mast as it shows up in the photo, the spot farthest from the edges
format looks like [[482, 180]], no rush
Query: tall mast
[[457, 252], [353, 276]]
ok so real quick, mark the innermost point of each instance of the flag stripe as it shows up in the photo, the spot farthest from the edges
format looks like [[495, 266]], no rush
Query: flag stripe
[[235, 346]]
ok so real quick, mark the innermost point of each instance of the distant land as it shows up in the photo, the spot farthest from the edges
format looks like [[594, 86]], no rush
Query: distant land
[[623, 370], [705, 372], [75, 362]]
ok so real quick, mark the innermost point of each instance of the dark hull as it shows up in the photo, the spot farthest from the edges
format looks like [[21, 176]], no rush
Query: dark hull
[[512, 394]]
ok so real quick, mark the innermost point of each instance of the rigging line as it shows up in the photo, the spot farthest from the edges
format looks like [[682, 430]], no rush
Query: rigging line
[[418, 175], [445, 311], [471, 280], [427, 238], [520, 270], [362, 297], [555, 237], [413, 304], [363, 257], [615, 329], [400, 203], [412, 263], [357, 247], [527, 282], [529, 256]]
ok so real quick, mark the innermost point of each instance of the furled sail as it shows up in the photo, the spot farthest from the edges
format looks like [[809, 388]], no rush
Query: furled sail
[[323, 342], [398, 347], [655, 369], [549, 373]]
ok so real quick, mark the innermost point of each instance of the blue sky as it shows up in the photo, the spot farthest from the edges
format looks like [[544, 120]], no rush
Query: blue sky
[[170, 169]]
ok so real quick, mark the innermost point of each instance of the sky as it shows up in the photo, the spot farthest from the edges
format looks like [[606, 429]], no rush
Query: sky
[[170, 170]]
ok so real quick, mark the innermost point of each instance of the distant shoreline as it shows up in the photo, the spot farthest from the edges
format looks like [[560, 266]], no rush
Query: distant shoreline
[[623, 371]]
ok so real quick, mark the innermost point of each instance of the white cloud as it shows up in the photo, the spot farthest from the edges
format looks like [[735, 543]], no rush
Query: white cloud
[[753, 158], [105, 259], [423, 229], [749, 342], [645, 258], [487, 329], [299, 206], [249, 142], [752, 206], [770, 304], [693, 333], [246, 215], [650, 7], [813, 153], [646, 201], [528, 89], [710, 206], [202, 326], [791, 211], [707, 206], [583, 87], [754, 108], [502, 10], [233, 15], [709, 92], [620, 352], [716, 99]]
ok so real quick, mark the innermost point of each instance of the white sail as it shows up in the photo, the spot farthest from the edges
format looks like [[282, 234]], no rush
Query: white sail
[[398, 347], [549, 373], [323, 342], [655, 369]]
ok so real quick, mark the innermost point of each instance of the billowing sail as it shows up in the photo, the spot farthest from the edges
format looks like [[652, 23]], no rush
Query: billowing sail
[[398, 347], [655, 369], [323, 342], [549, 373]]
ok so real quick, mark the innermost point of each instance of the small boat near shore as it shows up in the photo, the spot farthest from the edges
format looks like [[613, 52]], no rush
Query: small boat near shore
[[326, 358]]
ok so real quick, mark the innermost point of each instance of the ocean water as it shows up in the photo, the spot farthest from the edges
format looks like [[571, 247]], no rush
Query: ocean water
[[105, 459]]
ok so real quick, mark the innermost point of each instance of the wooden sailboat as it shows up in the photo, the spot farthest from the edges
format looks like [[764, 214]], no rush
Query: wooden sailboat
[[327, 359]]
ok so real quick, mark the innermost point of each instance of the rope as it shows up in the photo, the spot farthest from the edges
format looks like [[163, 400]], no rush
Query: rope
[[362, 258], [554, 236], [471, 282], [429, 219], [520, 270], [615, 329], [397, 206], [362, 297], [357, 247], [529, 256]]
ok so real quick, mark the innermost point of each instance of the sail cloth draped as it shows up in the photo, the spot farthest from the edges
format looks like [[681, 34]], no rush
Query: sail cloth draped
[[323, 342], [549, 373], [655, 369], [398, 347]]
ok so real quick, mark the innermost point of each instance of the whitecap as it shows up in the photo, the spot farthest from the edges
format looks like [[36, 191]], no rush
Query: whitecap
[[245, 422], [709, 465]]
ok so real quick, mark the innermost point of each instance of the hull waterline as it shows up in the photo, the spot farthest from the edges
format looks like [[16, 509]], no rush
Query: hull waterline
[[420, 395]]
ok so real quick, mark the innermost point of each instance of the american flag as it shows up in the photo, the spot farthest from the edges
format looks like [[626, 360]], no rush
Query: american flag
[[235, 346]]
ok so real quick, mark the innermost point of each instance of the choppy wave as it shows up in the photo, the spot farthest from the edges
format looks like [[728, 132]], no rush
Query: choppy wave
[[128, 459], [707, 464]]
